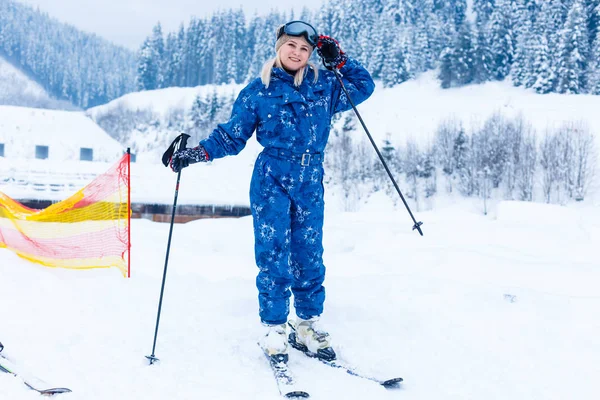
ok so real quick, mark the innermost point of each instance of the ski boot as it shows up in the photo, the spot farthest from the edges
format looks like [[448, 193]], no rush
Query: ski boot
[[274, 343], [304, 336]]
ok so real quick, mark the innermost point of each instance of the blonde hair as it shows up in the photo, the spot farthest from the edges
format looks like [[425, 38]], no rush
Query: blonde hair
[[267, 68]]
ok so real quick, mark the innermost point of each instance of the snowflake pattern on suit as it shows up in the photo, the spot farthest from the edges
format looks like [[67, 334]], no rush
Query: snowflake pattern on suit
[[286, 194]]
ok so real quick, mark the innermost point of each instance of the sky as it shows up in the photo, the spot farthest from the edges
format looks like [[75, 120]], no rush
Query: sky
[[128, 22]]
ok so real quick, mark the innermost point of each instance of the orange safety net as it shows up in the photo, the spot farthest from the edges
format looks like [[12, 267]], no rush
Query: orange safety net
[[88, 230]]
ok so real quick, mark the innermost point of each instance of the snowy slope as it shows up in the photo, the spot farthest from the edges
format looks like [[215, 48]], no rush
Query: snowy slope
[[412, 110], [415, 108], [18, 89], [497, 307], [153, 118], [161, 101]]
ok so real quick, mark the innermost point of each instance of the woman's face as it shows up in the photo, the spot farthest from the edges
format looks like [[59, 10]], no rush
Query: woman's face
[[294, 53]]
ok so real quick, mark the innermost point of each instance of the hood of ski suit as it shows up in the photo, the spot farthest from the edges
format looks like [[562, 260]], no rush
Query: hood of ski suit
[[297, 119]]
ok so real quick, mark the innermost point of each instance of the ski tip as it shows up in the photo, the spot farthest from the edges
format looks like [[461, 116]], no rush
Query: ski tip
[[392, 383], [297, 395], [53, 391]]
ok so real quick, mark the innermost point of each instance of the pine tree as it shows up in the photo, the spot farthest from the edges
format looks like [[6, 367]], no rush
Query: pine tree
[[463, 55], [263, 39], [573, 51], [422, 57], [180, 59], [172, 60], [376, 58], [594, 67], [462, 164], [483, 10], [389, 153], [521, 70], [446, 11], [428, 172], [330, 18], [542, 66], [157, 44], [200, 119], [147, 70], [355, 27], [446, 75], [395, 69], [459, 12], [482, 58], [241, 64], [593, 19], [501, 39]]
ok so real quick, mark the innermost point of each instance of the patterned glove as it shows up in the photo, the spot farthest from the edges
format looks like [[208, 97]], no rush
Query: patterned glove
[[185, 157], [329, 50]]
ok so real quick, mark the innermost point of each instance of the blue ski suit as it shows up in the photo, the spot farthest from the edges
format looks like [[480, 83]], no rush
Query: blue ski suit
[[286, 191]]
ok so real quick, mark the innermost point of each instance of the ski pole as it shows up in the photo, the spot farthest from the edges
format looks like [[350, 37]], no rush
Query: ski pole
[[417, 225], [180, 142]]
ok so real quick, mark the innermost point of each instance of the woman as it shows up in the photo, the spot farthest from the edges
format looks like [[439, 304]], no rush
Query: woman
[[290, 107]]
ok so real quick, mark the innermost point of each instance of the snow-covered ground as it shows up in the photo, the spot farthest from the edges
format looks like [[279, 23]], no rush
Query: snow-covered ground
[[498, 307], [503, 306]]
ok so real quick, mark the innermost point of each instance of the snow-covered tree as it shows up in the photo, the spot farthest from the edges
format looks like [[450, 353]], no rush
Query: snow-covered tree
[[482, 57], [445, 138], [501, 39], [463, 59], [446, 74], [573, 50], [542, 69], [395, 69], [483, 10], [522, 67], [147, 70], [463, 166]]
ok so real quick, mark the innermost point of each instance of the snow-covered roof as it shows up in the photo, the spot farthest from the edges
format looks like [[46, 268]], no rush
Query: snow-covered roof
[[64, 132]]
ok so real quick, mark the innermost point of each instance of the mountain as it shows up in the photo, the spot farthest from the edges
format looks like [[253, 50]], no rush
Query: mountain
[[69, 64], [18, 89]]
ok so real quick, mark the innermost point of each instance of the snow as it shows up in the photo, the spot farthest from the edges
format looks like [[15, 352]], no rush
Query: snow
[[13, 82], [16, 88], [161, 101], [494, 307], [415, 108], [64, 132], [502, 306]]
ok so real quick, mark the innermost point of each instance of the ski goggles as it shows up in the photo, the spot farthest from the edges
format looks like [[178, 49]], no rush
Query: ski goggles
[[300, 28]]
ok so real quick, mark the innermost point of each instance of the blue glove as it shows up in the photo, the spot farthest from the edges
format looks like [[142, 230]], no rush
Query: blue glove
[[185, 157]]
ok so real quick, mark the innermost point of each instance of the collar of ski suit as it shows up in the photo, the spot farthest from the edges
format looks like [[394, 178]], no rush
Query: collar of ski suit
[[284, 86]]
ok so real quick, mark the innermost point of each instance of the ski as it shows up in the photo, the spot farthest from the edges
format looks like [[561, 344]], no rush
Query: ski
[[342, 365], [284, 378], [9, 367]]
